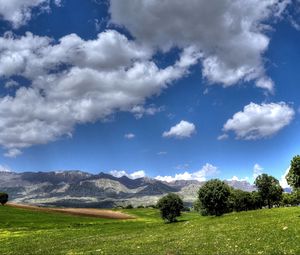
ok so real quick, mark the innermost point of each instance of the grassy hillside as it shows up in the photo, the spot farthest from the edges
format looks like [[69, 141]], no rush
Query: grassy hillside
[[275, 231]]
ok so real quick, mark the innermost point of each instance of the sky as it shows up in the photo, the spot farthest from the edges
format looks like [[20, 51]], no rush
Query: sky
[[167, 89]]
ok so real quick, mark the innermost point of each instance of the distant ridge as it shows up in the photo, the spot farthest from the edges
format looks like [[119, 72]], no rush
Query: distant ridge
[[81, 189]]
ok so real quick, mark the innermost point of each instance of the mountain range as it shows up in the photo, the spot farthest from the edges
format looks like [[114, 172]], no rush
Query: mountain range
[[81, 189]]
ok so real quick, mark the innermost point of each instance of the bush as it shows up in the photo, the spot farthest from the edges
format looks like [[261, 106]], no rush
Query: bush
[[170, 207], [3, 198], [214, 197], [292, 199], [151, 206], [186, 209], [257, 202], [240, 200], [129, 206], [197, 206]]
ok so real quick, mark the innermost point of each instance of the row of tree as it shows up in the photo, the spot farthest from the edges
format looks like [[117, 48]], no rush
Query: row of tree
[[215, 197]]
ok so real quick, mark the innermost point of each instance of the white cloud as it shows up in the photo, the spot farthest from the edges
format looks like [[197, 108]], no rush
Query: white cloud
[[75, 81], [265, 83], [129, 136], [11, 84], [138, 174], [183, 129], [235, 178], [19, 12], [5, 169], [282, 181], [260, 121], [223, 137], [134, 175], [177, 177], [13, 153], [206, 171], [139, 111], [231, 35], [257, 170], [162, 153]]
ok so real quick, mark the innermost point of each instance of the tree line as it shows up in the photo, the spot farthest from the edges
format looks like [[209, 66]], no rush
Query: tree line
[[216, 197]]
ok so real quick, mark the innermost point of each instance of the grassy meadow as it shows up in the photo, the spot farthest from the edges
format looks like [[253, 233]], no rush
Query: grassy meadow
[[275, 231]]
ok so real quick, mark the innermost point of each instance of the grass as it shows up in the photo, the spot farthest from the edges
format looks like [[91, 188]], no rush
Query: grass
[[275, 231]]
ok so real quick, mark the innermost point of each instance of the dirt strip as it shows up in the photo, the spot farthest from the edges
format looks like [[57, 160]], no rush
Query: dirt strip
[[90, 212]]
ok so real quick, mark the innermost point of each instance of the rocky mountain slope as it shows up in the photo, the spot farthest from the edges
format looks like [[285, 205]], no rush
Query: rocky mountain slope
[[80, 189]]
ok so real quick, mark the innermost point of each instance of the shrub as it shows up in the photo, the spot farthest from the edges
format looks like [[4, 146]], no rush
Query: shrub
[[214, 197], [151, 206], [257, 202], [170, 207], [240, 200], [292, 199], [197, 206], [3, 198], [129, 206]]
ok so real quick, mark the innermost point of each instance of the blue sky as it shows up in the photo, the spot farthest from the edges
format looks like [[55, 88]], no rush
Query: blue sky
[[168, 90]]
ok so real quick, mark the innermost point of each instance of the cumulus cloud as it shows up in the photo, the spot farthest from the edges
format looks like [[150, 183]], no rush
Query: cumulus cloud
[[260, 121], [75, 81], [13, 153], [19, 12], [223, 137], [257, 170], [183, 129], [235, 178], [11, 84], [129, 136], [231, 35], [134, 175], [205, 172], [139, 111], [5, 169]]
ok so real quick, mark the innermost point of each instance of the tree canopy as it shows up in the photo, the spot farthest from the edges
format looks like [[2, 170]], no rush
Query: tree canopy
[[293, 177], [3, 198], [170, 207], [269, 189], [214, 197]]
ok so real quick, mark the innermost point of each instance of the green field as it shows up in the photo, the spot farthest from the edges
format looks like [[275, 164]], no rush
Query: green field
[[275, 231]]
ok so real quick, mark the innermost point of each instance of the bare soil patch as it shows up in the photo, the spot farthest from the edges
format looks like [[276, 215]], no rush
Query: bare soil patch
[[90, 212]]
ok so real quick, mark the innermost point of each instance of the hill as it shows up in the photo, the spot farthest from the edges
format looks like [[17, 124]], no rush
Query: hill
[[275, 231], [81, 189]]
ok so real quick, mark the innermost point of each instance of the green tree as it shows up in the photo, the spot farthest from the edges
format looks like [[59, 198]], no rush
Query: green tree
[[286, 199], [170, 207], [295, 197], [214, 197], [129, 206], [269, 189], [240, 200], [3, 198], [197, 206], [257, 202], [293, 177]]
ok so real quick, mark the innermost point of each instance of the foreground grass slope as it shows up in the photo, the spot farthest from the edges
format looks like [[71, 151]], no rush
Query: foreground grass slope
[[275, 231]]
